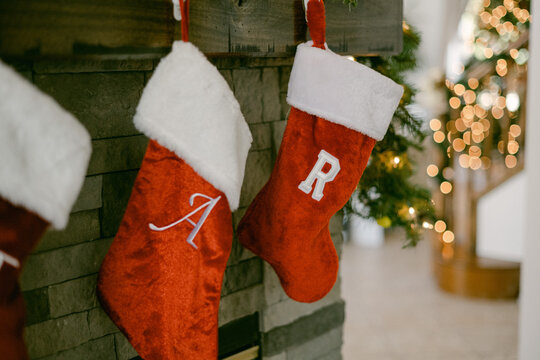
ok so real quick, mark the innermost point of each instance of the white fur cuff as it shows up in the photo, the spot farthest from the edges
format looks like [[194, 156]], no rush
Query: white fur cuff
[[345, 92], [189, 108], [44, 150]]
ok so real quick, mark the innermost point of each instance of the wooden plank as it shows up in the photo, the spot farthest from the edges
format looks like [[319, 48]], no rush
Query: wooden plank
[[146, 28]]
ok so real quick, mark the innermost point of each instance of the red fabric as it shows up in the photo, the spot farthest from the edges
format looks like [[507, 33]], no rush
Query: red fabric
[[20, 230], [287, 227], [184, 12], [316, 22], [158, 289]]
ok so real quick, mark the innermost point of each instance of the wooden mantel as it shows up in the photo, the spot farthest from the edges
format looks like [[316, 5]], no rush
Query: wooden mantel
[[134, 28]]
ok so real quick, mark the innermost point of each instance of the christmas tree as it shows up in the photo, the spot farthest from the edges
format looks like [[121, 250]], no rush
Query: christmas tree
[[386, 192]]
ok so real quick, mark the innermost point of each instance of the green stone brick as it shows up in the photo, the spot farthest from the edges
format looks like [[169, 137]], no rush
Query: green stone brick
[[124, 350], [262, 136], [100, 349], [258, 170], [336, 223], [303, 329], [73, 296], [227, 75], [100, 324], [238, 253], [116, 191], [118, 154], [241, 303], [271, 100], [56, 266], [249, 91], [285, 107], [321, 347], [37, 305], [284, 76], [52, 336], [83, 226], [334, 354], [90, 195], [241, 276], [104, 102]]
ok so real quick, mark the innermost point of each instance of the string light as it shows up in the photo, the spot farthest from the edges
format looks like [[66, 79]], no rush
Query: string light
[[510, 161], [438, 137], [427, 225], [432, 170], [458, 145], [469, 96], [514, 53], [500, 146], [459, 89], [460, 125], [478, 138], [446, 187], [435, 124], [448, 173], [464, 161], [512, 101], [448, 237], [515, 130], [485, 124], [440, 226], [475, 163], [497, 112], [467, 137], [513, 147], [500, 102], [454, 102], [473, 83]]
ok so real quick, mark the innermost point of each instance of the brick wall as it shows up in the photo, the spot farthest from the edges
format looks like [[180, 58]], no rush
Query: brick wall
[[65, 320]]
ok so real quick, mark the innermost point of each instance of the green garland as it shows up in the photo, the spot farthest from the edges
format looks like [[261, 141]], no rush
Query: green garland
[[385, 191]]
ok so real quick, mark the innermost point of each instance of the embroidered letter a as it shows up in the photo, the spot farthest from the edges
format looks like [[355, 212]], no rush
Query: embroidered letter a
[[319, 176], [208, 206]]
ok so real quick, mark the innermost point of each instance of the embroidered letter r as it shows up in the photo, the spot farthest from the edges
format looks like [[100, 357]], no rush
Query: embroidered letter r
[[319, 176]]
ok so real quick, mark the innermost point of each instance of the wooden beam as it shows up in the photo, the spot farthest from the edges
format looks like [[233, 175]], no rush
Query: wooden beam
[[140, 28]]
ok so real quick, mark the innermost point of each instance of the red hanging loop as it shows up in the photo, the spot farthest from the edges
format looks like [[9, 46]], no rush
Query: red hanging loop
[[316, 20], [184, 11]]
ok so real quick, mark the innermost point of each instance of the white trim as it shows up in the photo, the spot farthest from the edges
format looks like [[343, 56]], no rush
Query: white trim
[[189, 108], [345, 92], [44, 150]]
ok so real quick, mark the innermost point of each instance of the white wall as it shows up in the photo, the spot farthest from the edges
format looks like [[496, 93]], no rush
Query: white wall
[[500, 226], [529, 329]]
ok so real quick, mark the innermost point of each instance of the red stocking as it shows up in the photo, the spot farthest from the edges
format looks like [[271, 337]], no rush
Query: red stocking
[[44, 153], [161, 280], [340, 108]]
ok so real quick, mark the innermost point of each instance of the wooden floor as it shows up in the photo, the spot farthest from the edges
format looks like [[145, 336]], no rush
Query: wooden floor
[[395, 311]]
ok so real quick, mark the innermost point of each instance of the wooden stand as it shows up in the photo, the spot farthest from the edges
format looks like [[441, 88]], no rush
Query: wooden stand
[[459, 272]]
